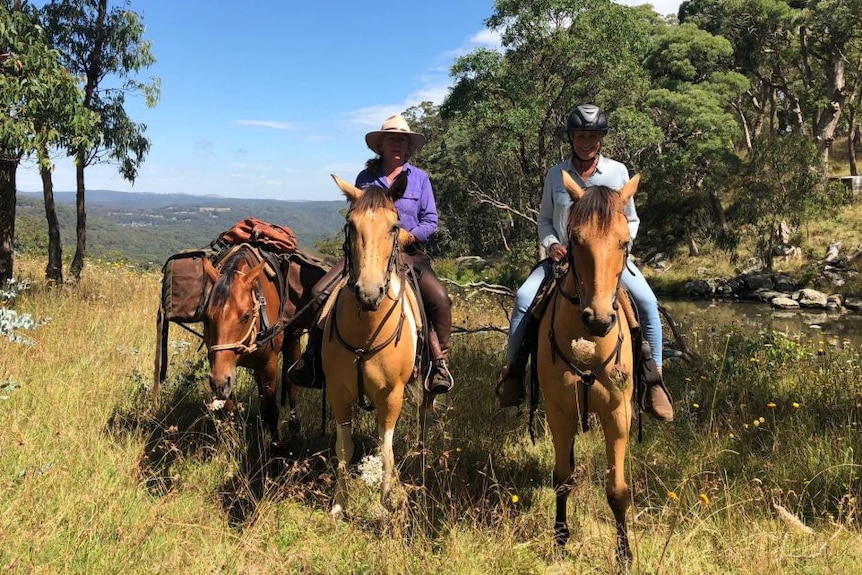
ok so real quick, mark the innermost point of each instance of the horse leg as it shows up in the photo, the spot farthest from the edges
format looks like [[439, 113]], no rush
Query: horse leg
[[291, 356], [563, 432], [387, 416], [344, 454], [267, 383], [616, 428]]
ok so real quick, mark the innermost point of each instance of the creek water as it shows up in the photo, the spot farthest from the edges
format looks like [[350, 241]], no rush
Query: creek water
[[834, 329]]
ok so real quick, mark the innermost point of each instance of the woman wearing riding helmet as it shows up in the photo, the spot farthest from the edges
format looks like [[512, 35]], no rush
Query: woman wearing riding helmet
[[586, 127]]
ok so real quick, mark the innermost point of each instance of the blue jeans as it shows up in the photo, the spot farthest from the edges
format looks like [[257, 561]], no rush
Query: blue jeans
[[643, 296]]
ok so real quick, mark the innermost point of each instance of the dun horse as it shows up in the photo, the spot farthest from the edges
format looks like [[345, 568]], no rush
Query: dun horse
[[370, 336], [585, 362], [244, 326]]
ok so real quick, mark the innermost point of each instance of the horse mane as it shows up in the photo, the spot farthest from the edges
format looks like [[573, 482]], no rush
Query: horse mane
[[375, 197], [597, 204], [222, 288]]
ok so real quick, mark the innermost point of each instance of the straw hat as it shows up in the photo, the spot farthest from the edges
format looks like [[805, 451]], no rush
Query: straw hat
[[394, 125]]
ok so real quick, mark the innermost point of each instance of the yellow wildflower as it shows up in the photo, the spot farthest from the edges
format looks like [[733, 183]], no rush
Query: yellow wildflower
[[515, 498], [771, 405], [704, 498], [756, 423], [695, 405], [795, 405], [672, 495]]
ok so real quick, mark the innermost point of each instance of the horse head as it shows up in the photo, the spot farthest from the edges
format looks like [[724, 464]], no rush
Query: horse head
[[231, 321], [598, 249], [373, 238]]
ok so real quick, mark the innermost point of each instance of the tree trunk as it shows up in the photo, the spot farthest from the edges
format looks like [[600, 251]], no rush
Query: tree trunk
[[715, 208], [81, 228], [852, 138], [831, 113], [8, 167], [54, 269], [89, 88]]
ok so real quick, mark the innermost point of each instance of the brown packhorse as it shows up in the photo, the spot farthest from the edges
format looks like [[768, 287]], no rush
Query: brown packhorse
[[585, 362], [371, 333], [245, 317]]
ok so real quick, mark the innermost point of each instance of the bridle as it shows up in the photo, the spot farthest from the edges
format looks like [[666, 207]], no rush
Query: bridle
[[363, 354], [350, 270], [259, 331], [588, 375]]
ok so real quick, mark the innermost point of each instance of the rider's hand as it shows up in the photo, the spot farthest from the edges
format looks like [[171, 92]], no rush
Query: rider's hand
[[557, 252]]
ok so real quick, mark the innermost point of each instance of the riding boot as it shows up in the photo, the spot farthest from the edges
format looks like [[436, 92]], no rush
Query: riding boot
[[308, 371], [510, 388], [657, 400], [439, 378]]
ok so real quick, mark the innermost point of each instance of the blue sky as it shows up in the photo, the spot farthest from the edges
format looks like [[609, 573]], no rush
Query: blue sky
[[267, 99]]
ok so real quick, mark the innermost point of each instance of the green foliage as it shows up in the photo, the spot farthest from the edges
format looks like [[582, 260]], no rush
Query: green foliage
[[97, 45], [782, 182]]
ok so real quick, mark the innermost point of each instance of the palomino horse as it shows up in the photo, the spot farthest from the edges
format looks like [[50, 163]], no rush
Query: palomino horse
[[244, 324], [370, 336], [585, 362]]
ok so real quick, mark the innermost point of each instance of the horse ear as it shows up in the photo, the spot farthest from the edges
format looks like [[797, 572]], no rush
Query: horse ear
[[628, 190], [575, 191], [210, 270], [254, 272], [352, 192], [399, 185]]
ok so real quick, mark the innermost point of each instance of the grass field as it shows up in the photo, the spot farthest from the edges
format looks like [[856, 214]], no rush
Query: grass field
[[761, 473]]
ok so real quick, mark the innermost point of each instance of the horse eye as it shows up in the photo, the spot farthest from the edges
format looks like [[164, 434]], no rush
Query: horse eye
[[395, 229], [245, 317]]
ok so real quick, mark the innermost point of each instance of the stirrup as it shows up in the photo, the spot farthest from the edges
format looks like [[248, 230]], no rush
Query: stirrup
[[510, 390], [439, 379]]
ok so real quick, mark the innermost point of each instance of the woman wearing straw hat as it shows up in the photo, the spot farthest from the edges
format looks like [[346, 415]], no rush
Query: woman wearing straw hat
[[394, 143]]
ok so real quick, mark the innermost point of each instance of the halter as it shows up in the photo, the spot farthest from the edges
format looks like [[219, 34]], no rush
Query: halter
[[259, 332]]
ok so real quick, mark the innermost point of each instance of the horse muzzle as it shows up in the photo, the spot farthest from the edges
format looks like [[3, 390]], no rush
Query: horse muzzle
[[369, 297], [223, 386], [598, 326]]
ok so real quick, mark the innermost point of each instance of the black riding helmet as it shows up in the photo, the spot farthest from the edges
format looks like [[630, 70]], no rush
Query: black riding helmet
[[587, 118]]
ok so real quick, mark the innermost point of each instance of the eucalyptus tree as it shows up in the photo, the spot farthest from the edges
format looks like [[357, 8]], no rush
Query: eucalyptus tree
[[504, 115], [41, 104], [107, 49], [803, 59], [783, 183], [693, 101]]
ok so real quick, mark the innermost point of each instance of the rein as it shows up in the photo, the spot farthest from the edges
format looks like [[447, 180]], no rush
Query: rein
[[588, 376], [255, 336], [360, 353], [364, 354]]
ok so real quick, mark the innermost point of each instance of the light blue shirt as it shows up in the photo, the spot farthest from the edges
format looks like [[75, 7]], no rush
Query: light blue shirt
[[556, 203]]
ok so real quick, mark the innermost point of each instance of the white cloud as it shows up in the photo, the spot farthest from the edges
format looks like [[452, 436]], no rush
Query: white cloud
[[274, 124]]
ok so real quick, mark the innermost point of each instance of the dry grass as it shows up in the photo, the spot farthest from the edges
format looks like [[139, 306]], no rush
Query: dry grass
[[97, 478]]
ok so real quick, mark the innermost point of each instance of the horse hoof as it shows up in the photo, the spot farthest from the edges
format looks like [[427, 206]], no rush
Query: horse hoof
[[294, 426], [337, 512], [561, 534]]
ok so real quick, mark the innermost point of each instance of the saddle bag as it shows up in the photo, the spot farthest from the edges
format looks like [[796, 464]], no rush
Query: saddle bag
[[184, 286]]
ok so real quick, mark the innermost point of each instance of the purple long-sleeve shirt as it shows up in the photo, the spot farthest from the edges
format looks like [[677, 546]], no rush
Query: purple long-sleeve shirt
[[417, 210]]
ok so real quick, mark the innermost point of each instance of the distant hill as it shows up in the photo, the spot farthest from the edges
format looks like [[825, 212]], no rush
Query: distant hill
[[147, 228]]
